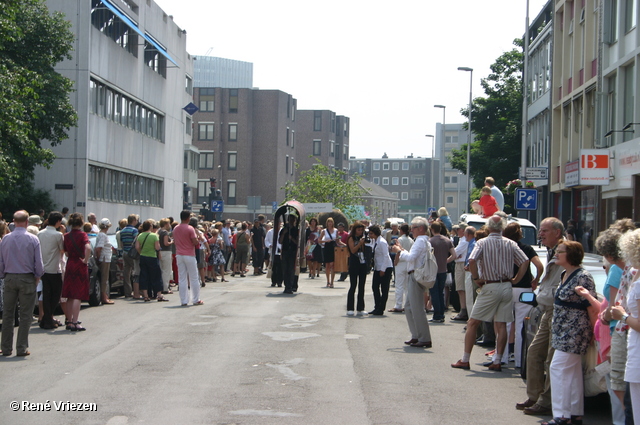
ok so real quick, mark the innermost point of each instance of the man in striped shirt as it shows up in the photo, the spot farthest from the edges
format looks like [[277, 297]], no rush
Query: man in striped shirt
[[491, 265]]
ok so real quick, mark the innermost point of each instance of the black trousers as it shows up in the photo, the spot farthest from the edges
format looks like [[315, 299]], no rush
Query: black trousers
[[289, 269], [380, 286], [51, 290], [357, 279], [276, 271]]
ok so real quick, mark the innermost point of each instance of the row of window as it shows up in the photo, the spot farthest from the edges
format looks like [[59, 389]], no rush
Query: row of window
[[113, 27], [395, 181], [125, 188], [208, 100], [206, 131], [317, 149], [120, 108], [395, 166]]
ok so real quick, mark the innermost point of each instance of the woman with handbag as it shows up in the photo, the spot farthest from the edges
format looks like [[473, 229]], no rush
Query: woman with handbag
[[571, 334], [75, 287], [358, 268], [329, 240], [148, 245]]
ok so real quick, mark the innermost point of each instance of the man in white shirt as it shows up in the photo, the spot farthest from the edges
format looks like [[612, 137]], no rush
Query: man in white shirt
[[52, 247], [382, 268], [459, 275], [414, 305], [495, 192]]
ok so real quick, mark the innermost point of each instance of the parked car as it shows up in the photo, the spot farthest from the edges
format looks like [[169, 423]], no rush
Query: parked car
[[116, 273]]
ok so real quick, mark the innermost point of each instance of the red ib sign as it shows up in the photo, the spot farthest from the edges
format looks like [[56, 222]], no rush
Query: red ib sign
[[591, 161]]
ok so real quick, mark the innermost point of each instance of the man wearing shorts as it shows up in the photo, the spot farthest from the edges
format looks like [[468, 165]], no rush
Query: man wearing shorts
[[491, 268]]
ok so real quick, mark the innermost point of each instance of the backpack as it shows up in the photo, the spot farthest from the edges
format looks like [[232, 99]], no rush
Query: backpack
[[425, 274]]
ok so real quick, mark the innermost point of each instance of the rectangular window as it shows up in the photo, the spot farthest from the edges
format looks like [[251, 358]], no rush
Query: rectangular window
[[286, 141], [405, 181], [317, 120], [232, 158], [293, 163], [454, 179], [207, 100], [396, 166], [233, 100], [405, 166], [206, 160], [376, 180], [205, 131], [628, 90], [120, 187], [187, 125], [395, 194], [345, 152], [233, 132], [630, 15], [404, 196], [332, 148], [317, 147], [231, 192], [449, 200], [376, 166], [385, 166], [395, 181], [286, 165], [188, 84], [385, 181], [293, 138], [203, 188]]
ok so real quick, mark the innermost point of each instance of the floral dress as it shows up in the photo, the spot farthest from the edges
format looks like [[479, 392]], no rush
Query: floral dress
[[571, 329], [217, 257]]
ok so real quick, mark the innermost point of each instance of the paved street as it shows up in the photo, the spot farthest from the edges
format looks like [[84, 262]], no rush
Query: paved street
[[250, 355]]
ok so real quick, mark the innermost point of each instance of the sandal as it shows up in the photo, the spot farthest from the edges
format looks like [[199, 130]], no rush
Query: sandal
[[78, 327], [200, 302], [147, 299], [328, 285], [107, 301], [558, 421], [224, 280], [331, 285], [396, 310], [162, 299]]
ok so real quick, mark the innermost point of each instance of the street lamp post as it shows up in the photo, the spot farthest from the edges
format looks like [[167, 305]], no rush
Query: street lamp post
[[433, 154], [442, 142], [470, 71]]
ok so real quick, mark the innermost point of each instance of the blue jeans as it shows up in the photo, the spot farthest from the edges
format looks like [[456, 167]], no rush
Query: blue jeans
[[437, 296]]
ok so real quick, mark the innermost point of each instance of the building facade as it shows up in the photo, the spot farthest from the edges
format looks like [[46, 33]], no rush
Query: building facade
[[252, 142], [454, 198], [211, 71], [132, 77], [538, 108], [409, 180], [574, 96], [618, 111]]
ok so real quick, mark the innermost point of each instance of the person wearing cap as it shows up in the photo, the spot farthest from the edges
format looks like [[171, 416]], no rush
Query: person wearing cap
[[35, 221], [102, 254]]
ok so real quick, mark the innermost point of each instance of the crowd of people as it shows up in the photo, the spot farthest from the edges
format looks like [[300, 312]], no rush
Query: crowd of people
[[484, 271]]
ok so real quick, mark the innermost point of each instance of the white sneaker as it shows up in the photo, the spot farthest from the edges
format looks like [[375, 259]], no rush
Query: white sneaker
[[363, 313], [350, 313], [512, 357]]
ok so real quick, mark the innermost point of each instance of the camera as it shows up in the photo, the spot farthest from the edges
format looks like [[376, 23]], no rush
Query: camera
[[366, 236]]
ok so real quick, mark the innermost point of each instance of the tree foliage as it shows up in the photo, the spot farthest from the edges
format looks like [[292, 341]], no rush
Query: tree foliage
[[34, 98], [496, 122], [323, 184]]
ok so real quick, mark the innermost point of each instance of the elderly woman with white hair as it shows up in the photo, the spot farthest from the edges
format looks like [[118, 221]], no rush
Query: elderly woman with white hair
[[629, 314]]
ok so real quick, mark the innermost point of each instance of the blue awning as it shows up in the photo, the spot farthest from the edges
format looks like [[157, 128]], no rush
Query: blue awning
[[134, 27]]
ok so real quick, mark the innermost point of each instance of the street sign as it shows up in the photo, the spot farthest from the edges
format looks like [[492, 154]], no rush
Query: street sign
[[254, 203], [274, 205], [431, 210], [191, 108], [318, 207], [539, 173], [217, 206], [526, 199]]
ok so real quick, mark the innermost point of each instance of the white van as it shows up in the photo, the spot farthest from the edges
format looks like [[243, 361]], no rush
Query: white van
[[529, 231]]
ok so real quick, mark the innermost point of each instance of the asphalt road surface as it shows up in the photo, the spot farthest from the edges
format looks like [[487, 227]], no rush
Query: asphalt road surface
[[251, 355]]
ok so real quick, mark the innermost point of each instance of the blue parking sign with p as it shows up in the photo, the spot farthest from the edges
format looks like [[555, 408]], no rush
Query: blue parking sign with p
[[526, 199]]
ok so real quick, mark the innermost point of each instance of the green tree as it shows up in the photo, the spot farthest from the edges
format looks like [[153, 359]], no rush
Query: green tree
[[323, 184], [34, 98], [496, 123]]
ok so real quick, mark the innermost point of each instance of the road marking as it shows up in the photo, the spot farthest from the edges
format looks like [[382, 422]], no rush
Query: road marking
[[284, 368], [288, 336], [297, 325], [252, 412], [307, 318], [352, 336]]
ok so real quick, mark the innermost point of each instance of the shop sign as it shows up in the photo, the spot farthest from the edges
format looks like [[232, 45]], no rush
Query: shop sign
[[572, 173], [594, 167]]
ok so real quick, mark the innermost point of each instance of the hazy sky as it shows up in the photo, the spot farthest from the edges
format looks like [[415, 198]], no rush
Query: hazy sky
[[382, 64]]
